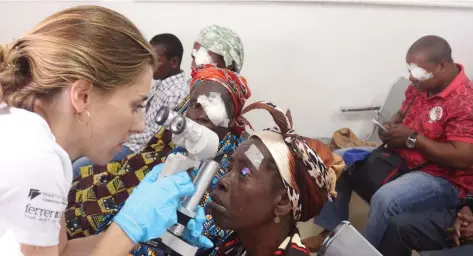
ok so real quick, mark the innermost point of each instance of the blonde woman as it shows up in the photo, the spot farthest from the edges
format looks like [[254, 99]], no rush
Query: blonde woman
[[75, 86]]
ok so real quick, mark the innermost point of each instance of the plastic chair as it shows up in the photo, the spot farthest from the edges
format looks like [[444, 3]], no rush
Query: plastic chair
[[391, 105], [345, 240]]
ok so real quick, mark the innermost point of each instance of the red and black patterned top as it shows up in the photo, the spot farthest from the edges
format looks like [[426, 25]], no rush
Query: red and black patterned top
[[291, 246], [447, 116]]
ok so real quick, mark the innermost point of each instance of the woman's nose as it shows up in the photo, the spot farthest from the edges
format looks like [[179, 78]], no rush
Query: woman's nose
[[223, 183], [138, 125]]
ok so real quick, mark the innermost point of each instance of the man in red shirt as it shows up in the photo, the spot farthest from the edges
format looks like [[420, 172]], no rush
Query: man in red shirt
[[438, 128], [434, 124]]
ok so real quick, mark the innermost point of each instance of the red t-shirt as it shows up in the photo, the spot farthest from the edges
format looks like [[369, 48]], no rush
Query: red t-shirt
[[447, 116]]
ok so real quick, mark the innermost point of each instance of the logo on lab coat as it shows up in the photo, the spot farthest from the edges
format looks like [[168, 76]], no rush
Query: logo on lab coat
[[42, 214], [33, 193], [47, 197]]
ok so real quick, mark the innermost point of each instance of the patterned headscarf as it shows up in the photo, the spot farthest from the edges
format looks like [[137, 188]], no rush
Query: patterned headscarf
[[224, 42], [234, 83], [303, 172]]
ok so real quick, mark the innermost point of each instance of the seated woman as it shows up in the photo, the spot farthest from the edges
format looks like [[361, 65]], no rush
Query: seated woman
[[276, 179], [98, 193]]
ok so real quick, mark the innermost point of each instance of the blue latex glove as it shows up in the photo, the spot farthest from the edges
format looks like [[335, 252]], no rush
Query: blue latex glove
[[152, 206], [194, 229]]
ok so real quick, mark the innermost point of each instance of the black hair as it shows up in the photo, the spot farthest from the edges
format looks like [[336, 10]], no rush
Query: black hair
[[436, 48], [171, 44]]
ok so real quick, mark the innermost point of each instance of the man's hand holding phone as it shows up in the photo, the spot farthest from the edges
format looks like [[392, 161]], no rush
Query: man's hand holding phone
[[380, 126], [382, 129]]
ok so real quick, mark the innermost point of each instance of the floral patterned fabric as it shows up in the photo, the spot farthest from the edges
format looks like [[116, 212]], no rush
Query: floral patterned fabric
[[224, 42]]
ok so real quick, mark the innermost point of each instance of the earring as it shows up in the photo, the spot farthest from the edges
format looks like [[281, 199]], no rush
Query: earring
[[277, 219], [83, 122]]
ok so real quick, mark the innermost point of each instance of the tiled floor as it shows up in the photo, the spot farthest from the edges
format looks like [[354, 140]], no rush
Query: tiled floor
[[358, 216]]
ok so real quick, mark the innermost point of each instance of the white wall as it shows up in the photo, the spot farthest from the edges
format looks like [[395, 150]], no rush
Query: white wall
[[309, 57]]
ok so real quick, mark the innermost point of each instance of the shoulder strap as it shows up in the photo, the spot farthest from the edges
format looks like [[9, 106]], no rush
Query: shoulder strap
[[403, 115]]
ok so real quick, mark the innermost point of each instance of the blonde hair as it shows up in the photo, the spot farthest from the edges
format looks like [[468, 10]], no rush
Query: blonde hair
[[90, 43]]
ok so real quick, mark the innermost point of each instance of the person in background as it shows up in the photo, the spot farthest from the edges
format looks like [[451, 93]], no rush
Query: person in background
[[226, 47], [438, 128], [276, 180], [168, 89], [219, 46], [110, 185], [447, 232], [74, 85], [227, 53]]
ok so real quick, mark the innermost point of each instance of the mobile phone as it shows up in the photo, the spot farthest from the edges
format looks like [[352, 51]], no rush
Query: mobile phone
[[379, 125]]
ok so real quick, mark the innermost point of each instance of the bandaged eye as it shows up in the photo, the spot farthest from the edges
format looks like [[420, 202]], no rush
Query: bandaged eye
[[419, 73], [245, 172]]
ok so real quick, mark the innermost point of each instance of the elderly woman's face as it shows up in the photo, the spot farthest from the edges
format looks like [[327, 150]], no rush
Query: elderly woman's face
[[197, 112], [246, 196], [201, 56]]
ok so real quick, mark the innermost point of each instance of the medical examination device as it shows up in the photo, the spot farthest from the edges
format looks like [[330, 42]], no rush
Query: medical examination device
[[201, 145]]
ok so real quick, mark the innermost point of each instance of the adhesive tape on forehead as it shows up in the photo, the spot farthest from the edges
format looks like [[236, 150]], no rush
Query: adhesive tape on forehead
[[274, 142], [215, 109], [419, 73], [202, 57], [255, 156]]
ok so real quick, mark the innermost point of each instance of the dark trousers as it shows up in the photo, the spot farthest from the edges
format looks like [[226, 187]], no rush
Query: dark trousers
[[421, 232]]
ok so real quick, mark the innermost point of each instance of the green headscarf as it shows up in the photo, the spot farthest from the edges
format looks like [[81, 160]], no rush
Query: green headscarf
[[224, 42]]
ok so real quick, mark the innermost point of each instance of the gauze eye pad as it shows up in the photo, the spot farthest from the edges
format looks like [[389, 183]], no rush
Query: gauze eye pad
[[215, 109], [202, 57], [419, 73]]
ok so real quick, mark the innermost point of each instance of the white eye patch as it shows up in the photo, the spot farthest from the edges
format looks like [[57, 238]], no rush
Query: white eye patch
[[419, 73], [255, 156], [215, 109], [202, 57]]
